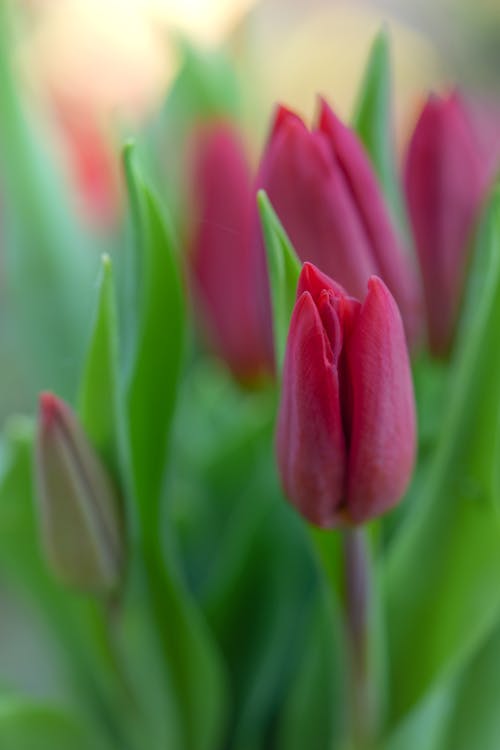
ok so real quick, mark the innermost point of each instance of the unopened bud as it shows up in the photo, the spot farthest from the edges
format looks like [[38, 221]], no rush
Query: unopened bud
[[81, 528]]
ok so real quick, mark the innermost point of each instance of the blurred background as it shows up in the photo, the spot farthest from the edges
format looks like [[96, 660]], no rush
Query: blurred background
[[78, 77], [103, 67]]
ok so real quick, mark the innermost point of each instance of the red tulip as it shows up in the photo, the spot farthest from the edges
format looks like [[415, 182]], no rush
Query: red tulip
[[325, 192], [228, 266], [346, 426], [445, 180]]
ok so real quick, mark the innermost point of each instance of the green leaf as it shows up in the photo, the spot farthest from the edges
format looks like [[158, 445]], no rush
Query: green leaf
[[284, 269], [29, 725], [428, 719], [474, 719], [373, 122], [205, 87], [279, 575], [194, 669], [314, 710], [49, 263], [100, 387], [19, 549], [156, 366], [190, 658], [443, 569]]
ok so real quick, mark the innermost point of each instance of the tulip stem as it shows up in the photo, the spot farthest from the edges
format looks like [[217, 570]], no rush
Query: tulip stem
[[357, 592]]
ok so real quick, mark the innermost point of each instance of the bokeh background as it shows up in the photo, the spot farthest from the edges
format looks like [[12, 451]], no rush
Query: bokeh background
[[101, 68]]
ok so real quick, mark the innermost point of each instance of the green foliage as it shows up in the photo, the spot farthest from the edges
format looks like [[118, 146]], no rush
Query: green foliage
[[31, 725], [205, 86], [473, 719], [100, 389], [373, 122], [191, 660], [442, 571], [49, 260], [155, 371], [314, 710], [284, 269]]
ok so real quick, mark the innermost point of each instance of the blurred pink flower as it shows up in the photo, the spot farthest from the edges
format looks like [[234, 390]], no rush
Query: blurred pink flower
[[93, 164], [228, 265], [446, 175]]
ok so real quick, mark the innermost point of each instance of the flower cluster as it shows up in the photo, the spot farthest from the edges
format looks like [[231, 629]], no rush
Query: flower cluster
[[324, 189], [274, 334]]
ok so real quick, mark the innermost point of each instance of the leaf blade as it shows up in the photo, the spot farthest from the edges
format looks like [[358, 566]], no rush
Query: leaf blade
[[100, 387], [284, 270], [372, 121], [152, 387], [449, 546]]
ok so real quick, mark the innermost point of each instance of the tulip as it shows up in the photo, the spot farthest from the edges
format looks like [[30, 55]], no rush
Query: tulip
[[228, 267], [81, 528], [445, 180], [346, 425], [325, 192]]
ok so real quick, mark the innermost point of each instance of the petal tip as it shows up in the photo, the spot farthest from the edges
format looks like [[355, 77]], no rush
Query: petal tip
[[50, 409], [284, 118]]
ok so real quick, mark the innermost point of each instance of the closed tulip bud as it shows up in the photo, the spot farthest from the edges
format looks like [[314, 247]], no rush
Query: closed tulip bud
[[346, 425], [81, 529], [326, 194], [228, 266], [445, 180]]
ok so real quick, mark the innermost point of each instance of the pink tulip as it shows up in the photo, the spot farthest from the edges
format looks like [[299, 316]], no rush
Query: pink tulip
[[228, 266], [325, 192], [346, 426], [445, 181]]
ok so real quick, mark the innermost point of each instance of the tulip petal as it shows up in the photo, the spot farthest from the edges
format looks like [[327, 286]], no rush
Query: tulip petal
[[282, 118], [311, 449], [386, 256], [229, 268], [314, 204], [382, 435], [444, 186], [314, 281]]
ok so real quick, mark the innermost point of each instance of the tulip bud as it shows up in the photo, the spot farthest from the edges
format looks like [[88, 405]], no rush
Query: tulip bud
[[346, 425], [325, 192], [81, 528], [228, 267], [445, 181]]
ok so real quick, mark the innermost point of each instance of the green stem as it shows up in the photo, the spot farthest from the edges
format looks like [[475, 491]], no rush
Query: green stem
[[357, 595]]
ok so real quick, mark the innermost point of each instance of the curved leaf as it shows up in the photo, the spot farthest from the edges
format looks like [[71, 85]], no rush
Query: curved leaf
[[191, 661], [100, 387], [284, 269], [474, 719], [372, 121], [443, 569], [154, 378]]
